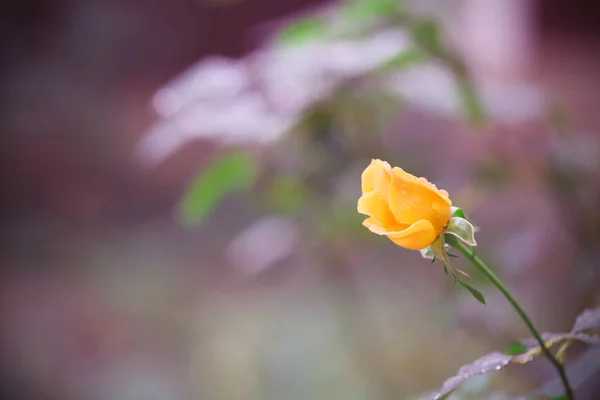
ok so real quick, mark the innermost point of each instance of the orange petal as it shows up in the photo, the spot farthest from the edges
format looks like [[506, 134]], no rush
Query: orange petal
[[411, 201], [402, 174], [380, 229], [376, 177], [416, 237], [374, 226], [373, 205]]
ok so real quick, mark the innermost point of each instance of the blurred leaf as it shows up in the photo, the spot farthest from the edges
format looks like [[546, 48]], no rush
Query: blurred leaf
[[345, 222], [491, 362], [494, 173], [287, 194], [589, 319], [564, 397], [232, 172], [369, 9], [303, 31], [406, 59], [550, 339], [476, 293], [584, 337], [471, 102], [516, 348], [476, 385], [427, 34], [520, 353], [360, 110]]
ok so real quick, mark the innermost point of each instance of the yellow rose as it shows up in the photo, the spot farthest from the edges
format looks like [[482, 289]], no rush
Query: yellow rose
[[411, 211]]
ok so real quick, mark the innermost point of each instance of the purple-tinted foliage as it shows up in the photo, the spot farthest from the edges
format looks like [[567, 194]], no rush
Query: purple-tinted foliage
[[490, 362], [589, 319]]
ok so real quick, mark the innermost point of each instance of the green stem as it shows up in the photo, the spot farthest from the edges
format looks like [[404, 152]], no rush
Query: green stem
[[470, 254]]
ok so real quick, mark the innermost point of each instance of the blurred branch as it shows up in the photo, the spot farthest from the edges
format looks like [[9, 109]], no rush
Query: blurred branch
[[428, 37]]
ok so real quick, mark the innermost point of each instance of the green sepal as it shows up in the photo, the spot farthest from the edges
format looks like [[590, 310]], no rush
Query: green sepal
[[462, 229], [476, 293], [439, 249], [427, 253], [440, 252], [458, 212]]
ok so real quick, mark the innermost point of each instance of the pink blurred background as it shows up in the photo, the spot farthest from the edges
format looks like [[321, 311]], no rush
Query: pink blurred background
[[106, 296]]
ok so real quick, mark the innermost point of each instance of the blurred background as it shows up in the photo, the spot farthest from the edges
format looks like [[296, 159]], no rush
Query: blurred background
[[179, 187]]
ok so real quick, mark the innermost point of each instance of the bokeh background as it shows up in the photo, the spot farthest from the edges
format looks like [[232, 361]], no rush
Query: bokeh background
[[179, 183]]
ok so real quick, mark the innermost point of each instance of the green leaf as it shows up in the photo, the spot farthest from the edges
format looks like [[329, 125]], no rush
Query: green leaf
[[563, 397], [303, 31], [427, 34], [517, 348], [462, 229], [230, 173], [476, 293]]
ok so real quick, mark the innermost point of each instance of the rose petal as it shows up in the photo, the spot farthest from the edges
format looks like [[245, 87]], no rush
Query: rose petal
[[373, 205], [416, 237], [381, 229], [374, 226], [411, 201], [376, 177], [403, 175]]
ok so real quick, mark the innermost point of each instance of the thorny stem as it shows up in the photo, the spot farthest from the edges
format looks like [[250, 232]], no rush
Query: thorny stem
[[470, 254]]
